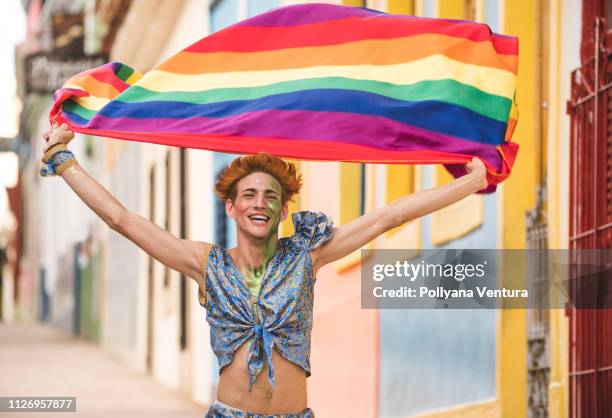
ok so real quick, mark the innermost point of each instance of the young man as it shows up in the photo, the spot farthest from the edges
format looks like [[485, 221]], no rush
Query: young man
[[258, 296]]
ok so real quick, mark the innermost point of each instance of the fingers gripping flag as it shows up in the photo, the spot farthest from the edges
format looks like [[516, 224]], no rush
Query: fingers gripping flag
[[318, 82]]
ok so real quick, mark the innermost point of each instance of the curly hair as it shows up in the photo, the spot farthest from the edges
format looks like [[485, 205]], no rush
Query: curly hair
[[284, 172]]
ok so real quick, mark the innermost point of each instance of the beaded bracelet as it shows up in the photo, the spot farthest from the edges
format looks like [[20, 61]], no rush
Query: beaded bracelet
[[56, 160], [59, 146]]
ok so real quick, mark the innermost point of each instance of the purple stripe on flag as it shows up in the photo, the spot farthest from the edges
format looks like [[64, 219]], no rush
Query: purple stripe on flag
[[372, 131], [303, 14]]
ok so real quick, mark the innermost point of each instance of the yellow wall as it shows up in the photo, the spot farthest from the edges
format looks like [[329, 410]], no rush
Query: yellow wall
[[350, 203], [461, 9], [350, 192], [559, 355], [359, 3], [519, 19], [405, 7], [400, 182], [519, 189], [451, 9]]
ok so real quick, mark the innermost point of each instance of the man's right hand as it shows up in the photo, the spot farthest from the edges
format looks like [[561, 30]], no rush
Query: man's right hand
[[57, 134]]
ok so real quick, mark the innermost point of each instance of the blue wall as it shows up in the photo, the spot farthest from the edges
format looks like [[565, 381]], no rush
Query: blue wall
[[432, 359], [224, 13], [260, 6]]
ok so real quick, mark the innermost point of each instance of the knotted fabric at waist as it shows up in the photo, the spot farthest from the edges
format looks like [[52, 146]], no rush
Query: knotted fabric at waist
[[261, 350]]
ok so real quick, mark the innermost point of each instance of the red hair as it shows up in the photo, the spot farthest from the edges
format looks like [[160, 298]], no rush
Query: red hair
[[284, 172]]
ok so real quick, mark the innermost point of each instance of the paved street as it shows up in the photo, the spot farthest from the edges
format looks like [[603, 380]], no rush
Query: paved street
[[41, 361]]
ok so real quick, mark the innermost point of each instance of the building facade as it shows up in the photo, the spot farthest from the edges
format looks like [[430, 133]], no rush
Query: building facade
[[77, 274]]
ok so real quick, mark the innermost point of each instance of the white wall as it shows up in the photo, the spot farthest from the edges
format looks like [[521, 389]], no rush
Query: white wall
[[195, 364], [61, 220], [8, 289]]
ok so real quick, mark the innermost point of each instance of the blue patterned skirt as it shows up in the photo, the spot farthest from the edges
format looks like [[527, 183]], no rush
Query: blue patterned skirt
[[221, 410]]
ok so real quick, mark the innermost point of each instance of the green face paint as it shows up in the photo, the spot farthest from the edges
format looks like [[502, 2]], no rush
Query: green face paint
[[274, 212]]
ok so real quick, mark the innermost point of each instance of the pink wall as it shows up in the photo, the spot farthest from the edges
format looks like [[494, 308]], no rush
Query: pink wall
[[344, 357]]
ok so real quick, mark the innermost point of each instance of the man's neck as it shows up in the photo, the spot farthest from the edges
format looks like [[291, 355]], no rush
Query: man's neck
[[254, 254]]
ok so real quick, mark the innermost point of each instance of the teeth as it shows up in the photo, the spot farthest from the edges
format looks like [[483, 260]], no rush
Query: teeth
[[259, 218]]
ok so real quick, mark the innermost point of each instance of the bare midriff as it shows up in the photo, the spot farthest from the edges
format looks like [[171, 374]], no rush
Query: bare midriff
[[289, 396]]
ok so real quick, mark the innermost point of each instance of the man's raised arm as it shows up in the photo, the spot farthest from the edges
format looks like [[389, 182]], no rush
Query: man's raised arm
[[178, 254], [369, 226]]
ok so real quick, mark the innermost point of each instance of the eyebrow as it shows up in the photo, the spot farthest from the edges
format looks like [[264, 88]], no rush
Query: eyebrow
[[251, 189]]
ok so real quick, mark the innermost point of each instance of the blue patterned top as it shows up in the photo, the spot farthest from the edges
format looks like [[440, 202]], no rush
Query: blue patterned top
[[284, 303]]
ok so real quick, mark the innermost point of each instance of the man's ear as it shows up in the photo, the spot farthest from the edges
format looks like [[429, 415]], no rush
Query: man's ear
[[230, 210], [284, 212]]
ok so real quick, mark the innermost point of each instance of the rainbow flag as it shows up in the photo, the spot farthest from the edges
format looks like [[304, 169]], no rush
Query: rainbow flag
[[318, 82]]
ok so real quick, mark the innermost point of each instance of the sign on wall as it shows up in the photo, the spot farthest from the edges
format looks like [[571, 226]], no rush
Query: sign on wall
[[46, 73]]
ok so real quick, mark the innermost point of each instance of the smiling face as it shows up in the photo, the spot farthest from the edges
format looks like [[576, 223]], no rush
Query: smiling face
[[257, 208]]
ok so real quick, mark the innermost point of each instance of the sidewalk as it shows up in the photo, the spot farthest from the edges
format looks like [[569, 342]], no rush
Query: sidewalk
[[41, 361]]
